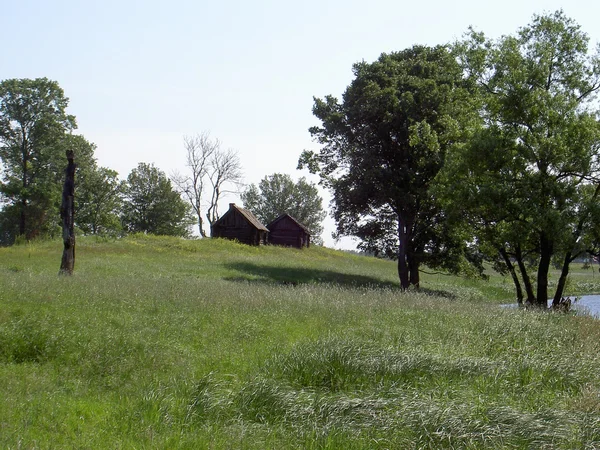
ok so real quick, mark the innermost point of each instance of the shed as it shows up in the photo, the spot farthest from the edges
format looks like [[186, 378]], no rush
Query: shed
[[287, 231], [240, 224]]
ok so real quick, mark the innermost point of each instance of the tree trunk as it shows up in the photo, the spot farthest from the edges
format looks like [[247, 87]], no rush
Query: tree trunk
[[25, 163], [546, 249], [525, 276], [200, 226], [413, 265], [23, 217], [562, 281], [513, 274], [403, 237], [413, 270], [67, 214], [564, 273]]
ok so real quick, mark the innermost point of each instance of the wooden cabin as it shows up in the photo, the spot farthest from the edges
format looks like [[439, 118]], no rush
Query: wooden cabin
[[287, 231], [240, 224]]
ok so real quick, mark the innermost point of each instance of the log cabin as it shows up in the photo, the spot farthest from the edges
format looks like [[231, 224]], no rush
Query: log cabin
[[241, 225], [289, 232]]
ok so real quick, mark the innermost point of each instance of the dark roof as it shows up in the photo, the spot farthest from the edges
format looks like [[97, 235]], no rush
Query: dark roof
[[293, 220], [251, 218], [247, 215]]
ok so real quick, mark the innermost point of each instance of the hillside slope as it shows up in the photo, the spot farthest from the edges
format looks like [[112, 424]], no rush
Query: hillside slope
[[166, 343]]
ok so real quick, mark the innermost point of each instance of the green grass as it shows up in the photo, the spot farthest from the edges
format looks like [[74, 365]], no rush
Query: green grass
[[166, 343]]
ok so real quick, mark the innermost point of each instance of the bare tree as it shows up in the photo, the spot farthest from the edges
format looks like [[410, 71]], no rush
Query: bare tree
[[208, 167], [225, 169], [199, 153]]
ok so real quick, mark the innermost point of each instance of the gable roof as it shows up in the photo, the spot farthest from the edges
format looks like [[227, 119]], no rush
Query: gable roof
[[251, 218], [283, 216]]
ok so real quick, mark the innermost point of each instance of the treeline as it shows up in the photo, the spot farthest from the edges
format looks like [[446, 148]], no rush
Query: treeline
[[36, 132], [483, 150]]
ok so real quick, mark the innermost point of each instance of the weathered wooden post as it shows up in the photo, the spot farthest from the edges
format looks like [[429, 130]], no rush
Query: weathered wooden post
[[67, 214]]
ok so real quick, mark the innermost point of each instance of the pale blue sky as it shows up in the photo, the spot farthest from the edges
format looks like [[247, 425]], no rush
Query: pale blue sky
[[142, 74]]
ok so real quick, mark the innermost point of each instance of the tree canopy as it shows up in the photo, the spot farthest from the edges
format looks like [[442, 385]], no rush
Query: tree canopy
[[33, 126], [35, 132], [529, 179], [383, 146], [99, 201], [152, 205]]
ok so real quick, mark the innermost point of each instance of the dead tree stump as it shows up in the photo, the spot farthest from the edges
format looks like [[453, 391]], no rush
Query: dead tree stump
[[67, 214]]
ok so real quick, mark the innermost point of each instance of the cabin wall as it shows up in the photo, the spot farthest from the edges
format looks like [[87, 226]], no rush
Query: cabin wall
[[287, 233], [234, 226]]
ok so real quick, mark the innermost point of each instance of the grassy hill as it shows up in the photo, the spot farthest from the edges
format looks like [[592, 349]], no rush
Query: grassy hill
[[166, 343]]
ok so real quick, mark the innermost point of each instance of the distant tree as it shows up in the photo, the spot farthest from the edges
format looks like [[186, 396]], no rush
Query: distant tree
[[152, 205], [199, 150], [33, 127], [530, 180], [383, 147], [278, 194], [208, 167], [225, 170], [99, 201]]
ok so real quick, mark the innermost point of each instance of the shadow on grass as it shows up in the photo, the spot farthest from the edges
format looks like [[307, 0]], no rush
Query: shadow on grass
[[294, 276]]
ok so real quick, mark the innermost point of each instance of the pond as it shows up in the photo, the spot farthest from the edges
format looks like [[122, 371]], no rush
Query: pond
[[586, 304]]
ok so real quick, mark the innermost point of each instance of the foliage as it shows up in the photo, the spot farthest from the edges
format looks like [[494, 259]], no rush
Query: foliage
[[33, 126], [383, 147], [278, 194], [152, 205], [531, 175], [98, 201]]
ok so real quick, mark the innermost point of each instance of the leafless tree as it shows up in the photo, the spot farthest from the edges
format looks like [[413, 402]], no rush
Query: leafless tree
[[225, 170], [199, 152], [208, 167]]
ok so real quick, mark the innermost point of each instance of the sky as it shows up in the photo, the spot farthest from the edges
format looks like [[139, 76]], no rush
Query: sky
[[141, 75]]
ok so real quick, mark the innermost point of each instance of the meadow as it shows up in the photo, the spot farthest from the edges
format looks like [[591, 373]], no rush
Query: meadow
[[167, 343]]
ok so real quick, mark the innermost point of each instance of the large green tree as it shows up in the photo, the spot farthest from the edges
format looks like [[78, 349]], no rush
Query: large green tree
[[383, 146], [278, 194], [98, 201], [531, 177], [152, 205], [33, 127]]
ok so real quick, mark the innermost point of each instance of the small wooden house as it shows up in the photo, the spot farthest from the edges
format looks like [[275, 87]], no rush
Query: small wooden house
[[240, 224], [287, 231]]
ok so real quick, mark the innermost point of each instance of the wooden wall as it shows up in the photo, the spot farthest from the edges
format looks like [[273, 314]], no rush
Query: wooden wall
[[235, 226], [287, 233]]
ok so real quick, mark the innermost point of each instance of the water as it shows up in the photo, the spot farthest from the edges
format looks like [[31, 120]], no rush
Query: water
[[586, 304]]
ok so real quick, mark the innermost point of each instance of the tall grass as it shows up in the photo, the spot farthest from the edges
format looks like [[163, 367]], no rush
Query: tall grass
[[166, 343]]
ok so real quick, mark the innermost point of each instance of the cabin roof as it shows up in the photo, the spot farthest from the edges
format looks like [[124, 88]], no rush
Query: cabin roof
[[251, 218], [283, 216]]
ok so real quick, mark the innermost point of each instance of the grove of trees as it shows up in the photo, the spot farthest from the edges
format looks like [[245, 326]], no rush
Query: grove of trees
[[478, 150], [530, 175], [35, 133]]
